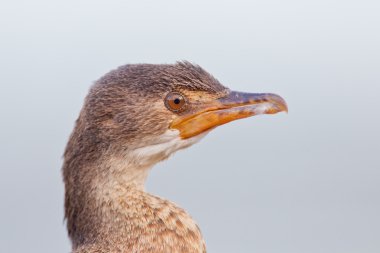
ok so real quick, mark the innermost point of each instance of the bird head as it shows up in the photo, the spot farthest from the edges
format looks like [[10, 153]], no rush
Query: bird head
[[134, 117], [146, 112]]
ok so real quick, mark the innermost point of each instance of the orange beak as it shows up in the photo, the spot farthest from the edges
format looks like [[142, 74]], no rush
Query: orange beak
[[236, 105]]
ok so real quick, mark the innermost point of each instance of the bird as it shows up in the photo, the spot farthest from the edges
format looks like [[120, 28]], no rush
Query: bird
[[132, 118]]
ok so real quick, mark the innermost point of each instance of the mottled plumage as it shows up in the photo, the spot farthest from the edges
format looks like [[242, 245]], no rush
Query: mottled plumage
[[124, 128]]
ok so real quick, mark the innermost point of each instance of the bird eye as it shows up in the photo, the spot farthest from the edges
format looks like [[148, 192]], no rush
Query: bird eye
[[175, 101]]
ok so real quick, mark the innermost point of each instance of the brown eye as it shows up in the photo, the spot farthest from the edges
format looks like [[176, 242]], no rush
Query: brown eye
[[175, 101]]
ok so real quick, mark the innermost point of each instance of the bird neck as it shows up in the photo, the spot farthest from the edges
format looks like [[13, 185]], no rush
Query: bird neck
[[106, 206], [121, 172], [100, 193]]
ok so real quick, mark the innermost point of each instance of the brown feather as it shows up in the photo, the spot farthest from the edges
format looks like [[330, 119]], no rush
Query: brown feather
[[106, 207]]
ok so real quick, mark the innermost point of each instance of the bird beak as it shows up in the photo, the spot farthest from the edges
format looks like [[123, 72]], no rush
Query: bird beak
[[236, 105]]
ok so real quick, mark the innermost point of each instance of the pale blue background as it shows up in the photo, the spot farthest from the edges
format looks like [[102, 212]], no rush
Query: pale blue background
[[308, 181]]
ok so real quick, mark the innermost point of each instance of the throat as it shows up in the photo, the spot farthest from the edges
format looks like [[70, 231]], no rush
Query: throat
[[96, 205], [120, 174]]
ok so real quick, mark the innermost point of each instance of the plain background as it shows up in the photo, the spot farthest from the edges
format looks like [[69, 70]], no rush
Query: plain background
[[307, 181]]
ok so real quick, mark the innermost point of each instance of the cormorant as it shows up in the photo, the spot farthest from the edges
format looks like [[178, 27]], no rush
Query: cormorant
[[132, 118]]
